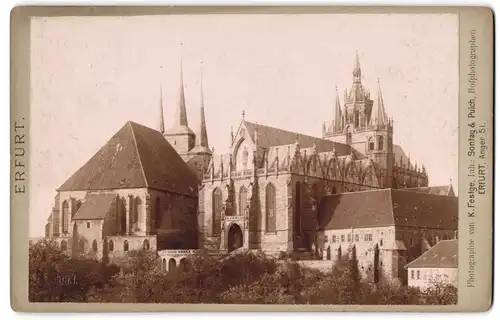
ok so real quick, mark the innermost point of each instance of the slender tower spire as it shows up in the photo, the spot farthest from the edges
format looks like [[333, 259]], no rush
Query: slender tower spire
[[337, 121], [162, 121], [201, 137], [357, 70], [182, 120], [378, 116]]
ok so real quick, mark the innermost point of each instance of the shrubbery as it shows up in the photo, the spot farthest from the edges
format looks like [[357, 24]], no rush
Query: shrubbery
[[243, 278]]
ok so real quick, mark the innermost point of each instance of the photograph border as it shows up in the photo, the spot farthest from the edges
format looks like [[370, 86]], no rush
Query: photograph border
[[473, 258]]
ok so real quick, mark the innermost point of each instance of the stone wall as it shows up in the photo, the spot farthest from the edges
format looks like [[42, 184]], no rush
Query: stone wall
[[375, 248], [174, 221], [114, 246]]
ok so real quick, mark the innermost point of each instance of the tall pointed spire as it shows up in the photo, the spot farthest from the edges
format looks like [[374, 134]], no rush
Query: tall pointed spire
[[337, 121], [182, 120], [201, 137], [357, 70], [378, 116], [162, 120]]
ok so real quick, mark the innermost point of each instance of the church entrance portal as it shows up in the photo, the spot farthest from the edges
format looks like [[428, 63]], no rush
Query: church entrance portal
[[234, 238]]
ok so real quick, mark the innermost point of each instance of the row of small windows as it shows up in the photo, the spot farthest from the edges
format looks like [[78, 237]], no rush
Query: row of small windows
[[426, 275], [350, 238]]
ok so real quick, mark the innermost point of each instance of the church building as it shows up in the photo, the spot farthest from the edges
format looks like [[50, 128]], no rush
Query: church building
[[265, 193], [350, 192]]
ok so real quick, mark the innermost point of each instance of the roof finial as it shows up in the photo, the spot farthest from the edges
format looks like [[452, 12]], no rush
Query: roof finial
[[243, 115]]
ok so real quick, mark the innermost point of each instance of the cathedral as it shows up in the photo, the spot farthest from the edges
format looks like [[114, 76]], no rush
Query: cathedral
[[276, 191]]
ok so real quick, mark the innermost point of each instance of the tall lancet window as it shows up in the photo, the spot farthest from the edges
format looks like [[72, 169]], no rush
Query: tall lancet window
[[356, 118], [137, 210], [65, 220], [216, 211], [242, 201], [381, 143], [270, 208], [157, 213]]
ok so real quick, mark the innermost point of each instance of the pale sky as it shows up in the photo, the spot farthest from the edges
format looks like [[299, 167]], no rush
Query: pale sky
[[92, 74]]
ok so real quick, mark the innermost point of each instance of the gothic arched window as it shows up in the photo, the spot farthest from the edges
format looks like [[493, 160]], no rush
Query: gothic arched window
[[125, 245], [78, 205], [111, 245], [297, 218], [216, 210], [380, 143], [123, 215], [94, 245], [145, 245], [371, 144], [242, 201], [137, 210], [270, 208], [65, 218], [157, 213]]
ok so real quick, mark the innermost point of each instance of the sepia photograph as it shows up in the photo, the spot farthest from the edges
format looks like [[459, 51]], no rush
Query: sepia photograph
[[223, 159], [249, 159]]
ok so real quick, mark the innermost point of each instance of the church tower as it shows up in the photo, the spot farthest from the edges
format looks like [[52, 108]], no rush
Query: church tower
[[349, 124], [201, 154], [363, 124], [180, 136], [379, 134]]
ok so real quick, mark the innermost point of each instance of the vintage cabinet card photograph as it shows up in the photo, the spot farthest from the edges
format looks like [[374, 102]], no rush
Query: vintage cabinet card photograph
[[251, 159]]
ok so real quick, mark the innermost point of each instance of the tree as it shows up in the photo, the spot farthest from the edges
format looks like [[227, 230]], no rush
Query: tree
[[54, 276]]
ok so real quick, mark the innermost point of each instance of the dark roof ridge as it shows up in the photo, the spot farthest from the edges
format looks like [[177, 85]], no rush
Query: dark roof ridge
[[428, 193], [137, 152], [289, 131], [360, 191]]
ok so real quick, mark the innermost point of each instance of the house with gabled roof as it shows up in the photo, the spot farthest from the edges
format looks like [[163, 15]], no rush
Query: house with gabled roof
[[388, 228], [438, 265]]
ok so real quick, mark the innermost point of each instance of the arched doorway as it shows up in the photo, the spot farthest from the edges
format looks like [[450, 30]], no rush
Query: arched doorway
[[234, 238]]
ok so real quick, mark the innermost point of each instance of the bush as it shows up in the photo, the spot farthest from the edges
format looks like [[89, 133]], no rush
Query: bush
[[243, 278], [54, 276]]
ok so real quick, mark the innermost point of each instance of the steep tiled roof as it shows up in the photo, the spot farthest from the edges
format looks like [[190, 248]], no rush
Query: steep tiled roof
[[388, 207], [135, 157], [440, 190], [443, 255], [272, 137], [95, 206], [357, 209]]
